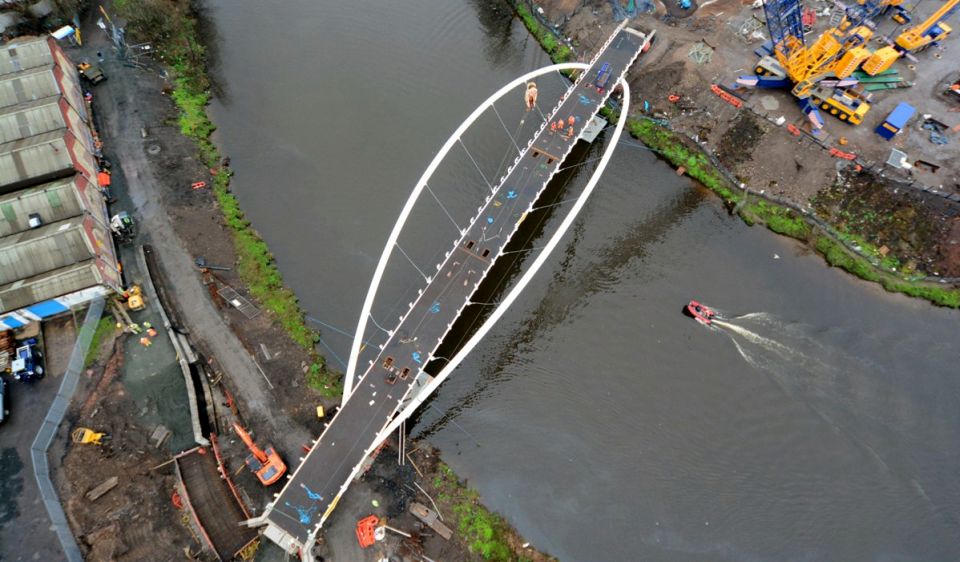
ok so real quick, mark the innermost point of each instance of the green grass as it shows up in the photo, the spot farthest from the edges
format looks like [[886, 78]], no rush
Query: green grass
[[778, 219], [172, 29], [485, 532], [837, 255], [105, 327], [558, 51]]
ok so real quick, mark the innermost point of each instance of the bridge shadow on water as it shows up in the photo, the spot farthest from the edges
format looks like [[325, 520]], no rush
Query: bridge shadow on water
[[572, 285]]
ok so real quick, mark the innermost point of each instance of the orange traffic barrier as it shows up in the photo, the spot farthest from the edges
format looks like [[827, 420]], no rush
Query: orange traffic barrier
[[843, 155], [366, 529], [732, 100], [103, 179], [793, 129], [198, 185]]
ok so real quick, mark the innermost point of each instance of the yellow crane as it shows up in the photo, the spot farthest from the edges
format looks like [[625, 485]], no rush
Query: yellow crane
[[917, 38]]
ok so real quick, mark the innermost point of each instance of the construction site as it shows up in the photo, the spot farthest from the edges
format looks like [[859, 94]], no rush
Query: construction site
[[832, 109], [177, 415]]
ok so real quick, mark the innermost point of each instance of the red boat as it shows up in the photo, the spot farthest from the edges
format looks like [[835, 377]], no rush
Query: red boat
[[701, 313]]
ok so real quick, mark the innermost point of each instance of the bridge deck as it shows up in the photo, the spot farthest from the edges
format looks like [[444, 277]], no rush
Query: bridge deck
[[316, 485]]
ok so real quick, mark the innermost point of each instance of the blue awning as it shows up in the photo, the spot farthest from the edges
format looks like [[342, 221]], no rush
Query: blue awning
[[47, 308], [11, 322]]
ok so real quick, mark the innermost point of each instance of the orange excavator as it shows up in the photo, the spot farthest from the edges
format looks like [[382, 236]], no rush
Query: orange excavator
[[266, 464]]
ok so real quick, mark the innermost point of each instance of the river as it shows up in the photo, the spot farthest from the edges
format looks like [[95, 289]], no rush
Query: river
[[818, 423]]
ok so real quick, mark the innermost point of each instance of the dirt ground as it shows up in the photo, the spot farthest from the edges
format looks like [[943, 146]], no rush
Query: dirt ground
[[135, 520], [764, 155]]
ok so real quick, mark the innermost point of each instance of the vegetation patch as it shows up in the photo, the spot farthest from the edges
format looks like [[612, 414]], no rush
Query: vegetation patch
[[106, 327], [778, 219], [674, 149], [558, 51], [172, 28], [485, 532], [837, 255]]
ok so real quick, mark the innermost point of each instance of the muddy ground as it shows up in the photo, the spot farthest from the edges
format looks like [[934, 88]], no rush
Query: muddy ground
[[135, 520], [764, 155]]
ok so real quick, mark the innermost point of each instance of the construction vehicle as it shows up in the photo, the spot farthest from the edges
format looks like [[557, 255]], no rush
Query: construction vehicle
[[134, 296], [123, 227], [27, 362], [91, 72], [819, 75], [919, 37], [931, 31], [265, 463], [87, 436]]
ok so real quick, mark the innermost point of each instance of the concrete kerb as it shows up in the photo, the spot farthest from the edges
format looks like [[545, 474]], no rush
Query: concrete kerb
[[826, 228], [38, 451]]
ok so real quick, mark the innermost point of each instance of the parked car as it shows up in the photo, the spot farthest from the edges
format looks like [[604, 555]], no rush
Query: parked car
[[27, 362]]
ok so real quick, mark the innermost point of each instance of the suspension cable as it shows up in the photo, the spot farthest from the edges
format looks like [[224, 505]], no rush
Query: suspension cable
[[425, 278], [437, 199], [477, 166], [504, 125]]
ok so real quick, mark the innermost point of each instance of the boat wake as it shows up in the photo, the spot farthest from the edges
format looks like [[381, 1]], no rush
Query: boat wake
[[828, 379]]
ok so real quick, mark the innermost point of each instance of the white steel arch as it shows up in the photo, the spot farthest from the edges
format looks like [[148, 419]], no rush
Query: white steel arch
[[411, 201], [501, 309]]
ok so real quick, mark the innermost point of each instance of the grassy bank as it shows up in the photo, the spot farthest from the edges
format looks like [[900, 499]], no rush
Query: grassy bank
[[558, 51], [172, 29], [485, 532], [677, 150]]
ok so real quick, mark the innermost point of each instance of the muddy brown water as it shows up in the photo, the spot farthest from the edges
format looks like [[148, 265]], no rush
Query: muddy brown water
[[818, 423]]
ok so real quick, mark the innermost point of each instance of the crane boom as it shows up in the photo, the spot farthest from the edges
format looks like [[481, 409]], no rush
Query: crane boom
[[930, 30], [248, 441]]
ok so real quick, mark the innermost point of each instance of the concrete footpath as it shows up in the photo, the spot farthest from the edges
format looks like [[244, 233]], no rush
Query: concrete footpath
[[137, 188]]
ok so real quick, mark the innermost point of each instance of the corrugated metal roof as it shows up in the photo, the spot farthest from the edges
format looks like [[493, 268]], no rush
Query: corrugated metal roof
[[54, 201], [49, 247], [42, 116], [41, 82], [31, 118], [49, 285], [41, 158], [23, 53]]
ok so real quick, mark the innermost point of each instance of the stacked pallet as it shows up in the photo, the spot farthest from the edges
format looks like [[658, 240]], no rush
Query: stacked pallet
[[8, 345]]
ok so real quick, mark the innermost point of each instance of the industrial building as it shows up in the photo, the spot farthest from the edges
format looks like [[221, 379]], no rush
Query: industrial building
[[56, 250]]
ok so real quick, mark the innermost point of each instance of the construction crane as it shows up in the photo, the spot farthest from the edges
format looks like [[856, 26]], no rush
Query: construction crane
[[266, 464], [818, 74], [931, 31]]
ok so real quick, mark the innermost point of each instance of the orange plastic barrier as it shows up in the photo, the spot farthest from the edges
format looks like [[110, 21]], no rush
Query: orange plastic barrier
[[841, 154], [198, 185], [732, 100], [366, 528], [103, 179], [793, 130]]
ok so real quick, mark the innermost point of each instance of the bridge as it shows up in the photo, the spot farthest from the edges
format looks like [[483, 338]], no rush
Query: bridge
[[394, 384]]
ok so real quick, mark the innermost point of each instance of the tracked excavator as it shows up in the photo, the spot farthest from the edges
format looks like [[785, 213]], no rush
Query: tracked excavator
[[265, 463]]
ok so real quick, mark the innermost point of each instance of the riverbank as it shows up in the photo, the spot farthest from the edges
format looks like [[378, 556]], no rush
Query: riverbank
[[172, 29], [793, 204], [211, 223]]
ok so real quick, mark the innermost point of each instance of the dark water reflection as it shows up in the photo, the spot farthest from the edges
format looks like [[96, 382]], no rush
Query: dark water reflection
[[819, 424]]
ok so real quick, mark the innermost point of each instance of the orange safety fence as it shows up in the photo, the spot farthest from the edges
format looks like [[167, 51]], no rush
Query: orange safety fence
[[732, 100], [841, 154], [366, 530]]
